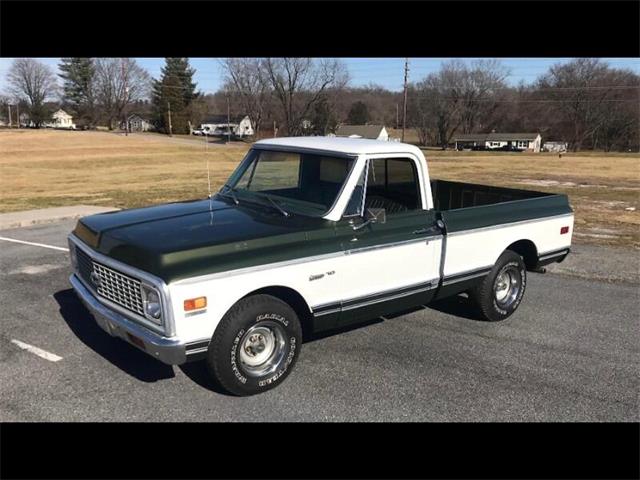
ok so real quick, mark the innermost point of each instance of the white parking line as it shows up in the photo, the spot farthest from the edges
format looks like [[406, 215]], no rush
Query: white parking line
[[37, 351], [34, 244]]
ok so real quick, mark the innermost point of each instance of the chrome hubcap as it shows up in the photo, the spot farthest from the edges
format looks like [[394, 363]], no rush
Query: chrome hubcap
[[262, 348], [507, 286]]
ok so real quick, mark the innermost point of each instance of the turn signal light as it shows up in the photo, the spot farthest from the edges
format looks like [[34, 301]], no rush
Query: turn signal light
[[564, 230], [195, 304]]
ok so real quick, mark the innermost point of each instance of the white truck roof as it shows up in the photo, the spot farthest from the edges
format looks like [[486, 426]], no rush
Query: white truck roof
[[355, 146]]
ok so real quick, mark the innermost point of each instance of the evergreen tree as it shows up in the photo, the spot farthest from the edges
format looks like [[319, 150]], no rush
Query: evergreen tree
[[78, 75], [177, 89], [324, 118], [359, 114]]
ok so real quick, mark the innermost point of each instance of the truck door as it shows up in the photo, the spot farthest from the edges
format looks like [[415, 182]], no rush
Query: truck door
[[391, 243]]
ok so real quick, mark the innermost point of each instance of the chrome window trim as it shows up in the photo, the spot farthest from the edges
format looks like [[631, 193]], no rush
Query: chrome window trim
[[167, 327]]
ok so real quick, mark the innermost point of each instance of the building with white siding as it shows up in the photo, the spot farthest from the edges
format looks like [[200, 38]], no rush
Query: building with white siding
[[530, 142]]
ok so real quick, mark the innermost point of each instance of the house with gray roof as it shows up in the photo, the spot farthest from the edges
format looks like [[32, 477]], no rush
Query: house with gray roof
[[530, 142], [373, 132]]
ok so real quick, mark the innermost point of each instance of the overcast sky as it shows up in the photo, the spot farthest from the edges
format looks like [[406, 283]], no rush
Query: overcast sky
[[387, 72]]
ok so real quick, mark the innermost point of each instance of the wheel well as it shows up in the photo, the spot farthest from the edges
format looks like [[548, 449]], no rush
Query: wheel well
[[527, 250], [294, 300]]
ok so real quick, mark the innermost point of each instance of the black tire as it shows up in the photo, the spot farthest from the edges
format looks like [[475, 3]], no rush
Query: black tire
[[501, 291], [246, 335]]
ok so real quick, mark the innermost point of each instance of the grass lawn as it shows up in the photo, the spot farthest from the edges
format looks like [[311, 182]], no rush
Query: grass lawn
[[43, 168]]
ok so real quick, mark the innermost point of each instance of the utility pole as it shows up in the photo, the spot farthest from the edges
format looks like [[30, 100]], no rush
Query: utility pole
[[404, 103], [126, 97], [10, 123], [228, 121], [169, 107], [18, 114], [397, 116]]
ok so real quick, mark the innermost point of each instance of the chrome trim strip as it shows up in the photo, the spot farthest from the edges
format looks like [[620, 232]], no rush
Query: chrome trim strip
[[386, 299], [168, 326], [196, 350], [296, 261], [257, 268], [394, 244], [508, 225], [421, 287], [466, 275], [553, 254], [327, 312]]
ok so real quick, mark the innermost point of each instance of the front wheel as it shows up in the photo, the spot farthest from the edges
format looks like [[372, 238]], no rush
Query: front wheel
[[255, 346], [501, 291]]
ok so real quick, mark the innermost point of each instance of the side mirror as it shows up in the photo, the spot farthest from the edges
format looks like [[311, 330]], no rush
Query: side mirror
[[376, 215], [372, 215]]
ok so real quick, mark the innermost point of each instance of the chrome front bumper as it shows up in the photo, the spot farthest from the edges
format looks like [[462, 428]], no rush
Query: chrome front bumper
[[171, 351]]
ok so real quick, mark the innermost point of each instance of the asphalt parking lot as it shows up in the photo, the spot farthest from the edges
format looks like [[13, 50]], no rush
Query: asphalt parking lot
[[570, 353]]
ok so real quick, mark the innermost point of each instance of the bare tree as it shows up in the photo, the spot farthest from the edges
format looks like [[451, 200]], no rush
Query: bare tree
[[248, 81], [119, 83], [33, 82], [299, 83], [436, 104], [458, 97], [591, 102]]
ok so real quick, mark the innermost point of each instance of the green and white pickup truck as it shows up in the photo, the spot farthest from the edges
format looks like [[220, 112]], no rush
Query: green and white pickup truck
[[307, 235]]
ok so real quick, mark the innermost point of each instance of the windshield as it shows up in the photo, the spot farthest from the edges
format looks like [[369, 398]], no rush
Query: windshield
[[302, 183]]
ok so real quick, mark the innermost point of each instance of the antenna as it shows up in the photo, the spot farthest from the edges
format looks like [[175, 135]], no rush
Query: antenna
[[206, 150], [210, 200]]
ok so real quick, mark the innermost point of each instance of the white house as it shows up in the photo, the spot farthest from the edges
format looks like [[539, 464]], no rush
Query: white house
[[556, 147], [137, 123], [373, 132], [61, 119], [220, 126], [530, 142]]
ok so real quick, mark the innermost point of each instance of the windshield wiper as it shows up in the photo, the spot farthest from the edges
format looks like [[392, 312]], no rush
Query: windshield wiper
[[277, 206], [230, 193]]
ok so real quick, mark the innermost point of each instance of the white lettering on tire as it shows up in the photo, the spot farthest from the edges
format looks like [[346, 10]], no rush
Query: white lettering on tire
[[272, 316], [234, 366]]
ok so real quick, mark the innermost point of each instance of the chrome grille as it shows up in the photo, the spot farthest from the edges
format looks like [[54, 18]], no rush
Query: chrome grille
[[121, 289]]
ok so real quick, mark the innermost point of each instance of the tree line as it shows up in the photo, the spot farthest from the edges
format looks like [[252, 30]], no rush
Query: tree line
[[584, 102]]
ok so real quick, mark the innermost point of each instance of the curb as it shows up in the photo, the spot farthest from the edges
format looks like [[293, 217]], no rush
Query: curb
[[49, 215]]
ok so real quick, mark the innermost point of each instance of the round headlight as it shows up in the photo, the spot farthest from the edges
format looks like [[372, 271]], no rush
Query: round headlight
[[152, 304]]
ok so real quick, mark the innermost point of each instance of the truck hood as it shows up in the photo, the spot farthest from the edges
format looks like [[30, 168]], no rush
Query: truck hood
[[186, 239]]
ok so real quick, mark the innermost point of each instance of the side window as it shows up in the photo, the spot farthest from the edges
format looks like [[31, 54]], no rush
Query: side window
[[393, 185]]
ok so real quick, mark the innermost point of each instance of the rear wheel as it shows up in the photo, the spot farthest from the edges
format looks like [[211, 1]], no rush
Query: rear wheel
[[255, 346], [501, 291]]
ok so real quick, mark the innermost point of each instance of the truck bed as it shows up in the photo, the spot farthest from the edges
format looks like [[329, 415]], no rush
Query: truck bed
[[466, 206]]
